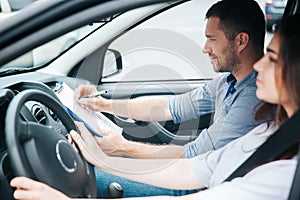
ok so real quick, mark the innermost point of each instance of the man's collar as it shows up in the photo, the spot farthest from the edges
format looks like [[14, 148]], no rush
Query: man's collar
[[251, 75], [230, 78]]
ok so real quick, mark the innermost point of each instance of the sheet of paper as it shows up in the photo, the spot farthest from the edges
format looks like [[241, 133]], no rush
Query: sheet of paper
[[96, 120]]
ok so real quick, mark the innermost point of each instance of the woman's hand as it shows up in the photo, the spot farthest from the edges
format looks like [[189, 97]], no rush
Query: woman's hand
[[95, 103], [113, 143], [28, 189], [88, 145]]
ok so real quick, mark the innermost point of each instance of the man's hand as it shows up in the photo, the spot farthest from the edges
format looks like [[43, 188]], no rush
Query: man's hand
[[84, 90], [28, 189], [95, 103]]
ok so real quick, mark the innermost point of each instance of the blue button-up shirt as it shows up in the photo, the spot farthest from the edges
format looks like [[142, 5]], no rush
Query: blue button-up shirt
[[234, 115]]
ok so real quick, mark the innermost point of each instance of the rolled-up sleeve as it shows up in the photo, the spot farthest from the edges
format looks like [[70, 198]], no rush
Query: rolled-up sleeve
[[186, 106], [201, 168]]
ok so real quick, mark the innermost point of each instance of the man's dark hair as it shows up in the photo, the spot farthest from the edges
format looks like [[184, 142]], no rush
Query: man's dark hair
[[238, 16]]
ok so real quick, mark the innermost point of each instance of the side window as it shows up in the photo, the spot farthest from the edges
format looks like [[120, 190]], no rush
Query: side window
[[166, 47]]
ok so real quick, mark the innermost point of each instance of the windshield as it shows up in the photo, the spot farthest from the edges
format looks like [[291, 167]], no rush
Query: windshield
[[44, 54]]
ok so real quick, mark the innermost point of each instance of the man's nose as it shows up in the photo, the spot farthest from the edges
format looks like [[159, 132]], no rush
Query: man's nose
[[206, 48]]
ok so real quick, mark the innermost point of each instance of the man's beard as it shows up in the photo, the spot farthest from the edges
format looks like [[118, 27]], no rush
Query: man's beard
[[230, 61]]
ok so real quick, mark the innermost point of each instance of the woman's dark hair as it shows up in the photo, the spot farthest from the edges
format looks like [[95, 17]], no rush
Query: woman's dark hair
[[238, 16], [288, 31]]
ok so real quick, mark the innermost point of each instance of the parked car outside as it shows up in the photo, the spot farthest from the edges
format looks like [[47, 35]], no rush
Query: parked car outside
[[274, 10]]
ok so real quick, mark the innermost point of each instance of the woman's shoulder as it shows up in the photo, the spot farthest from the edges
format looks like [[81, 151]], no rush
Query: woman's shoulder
[[256, 136], [264, 128]]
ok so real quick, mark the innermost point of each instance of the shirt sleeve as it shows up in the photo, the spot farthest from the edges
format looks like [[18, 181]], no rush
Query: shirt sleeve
[[191, 105], [205, 164], [267, 182], [238, 121]]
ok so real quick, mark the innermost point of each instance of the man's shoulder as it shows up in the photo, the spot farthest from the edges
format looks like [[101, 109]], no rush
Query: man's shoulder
[[248, 84], [250, 79]]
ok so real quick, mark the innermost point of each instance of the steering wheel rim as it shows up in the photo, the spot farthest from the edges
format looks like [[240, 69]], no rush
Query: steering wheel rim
[[42, 152]]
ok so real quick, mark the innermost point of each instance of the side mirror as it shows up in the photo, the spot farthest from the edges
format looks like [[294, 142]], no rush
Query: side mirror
[[112, 63]]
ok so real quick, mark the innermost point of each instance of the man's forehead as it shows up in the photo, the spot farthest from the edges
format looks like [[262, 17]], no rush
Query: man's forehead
[[212, 27]]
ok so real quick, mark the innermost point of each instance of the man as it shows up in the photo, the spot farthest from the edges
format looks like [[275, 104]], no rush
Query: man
[[235, 33]]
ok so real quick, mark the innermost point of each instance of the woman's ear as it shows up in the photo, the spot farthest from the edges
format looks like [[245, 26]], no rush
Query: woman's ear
[[242, 40]]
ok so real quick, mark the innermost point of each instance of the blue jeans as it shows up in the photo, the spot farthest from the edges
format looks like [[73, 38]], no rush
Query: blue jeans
[[132, 188]]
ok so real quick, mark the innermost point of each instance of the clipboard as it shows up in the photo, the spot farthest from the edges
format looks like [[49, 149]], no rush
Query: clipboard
[[77, 118], [93, 121]]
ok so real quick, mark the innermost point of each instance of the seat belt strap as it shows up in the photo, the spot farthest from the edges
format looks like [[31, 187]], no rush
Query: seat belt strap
[[286, 136]]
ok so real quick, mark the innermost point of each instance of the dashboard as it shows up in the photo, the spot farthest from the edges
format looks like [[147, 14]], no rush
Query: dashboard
[[32, 111]]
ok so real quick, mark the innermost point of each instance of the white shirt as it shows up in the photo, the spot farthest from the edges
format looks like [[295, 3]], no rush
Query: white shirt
[[269, 181]]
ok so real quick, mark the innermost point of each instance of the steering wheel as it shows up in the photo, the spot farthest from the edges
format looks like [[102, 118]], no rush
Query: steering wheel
[[43, 152]]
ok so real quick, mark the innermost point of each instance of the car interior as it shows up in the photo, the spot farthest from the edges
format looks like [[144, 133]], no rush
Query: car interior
[[34, 119]]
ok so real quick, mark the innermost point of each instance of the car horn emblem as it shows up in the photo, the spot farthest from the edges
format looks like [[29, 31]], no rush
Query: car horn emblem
[[66, 156]]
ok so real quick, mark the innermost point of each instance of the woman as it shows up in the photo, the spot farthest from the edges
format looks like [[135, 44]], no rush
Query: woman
[[278, 75]]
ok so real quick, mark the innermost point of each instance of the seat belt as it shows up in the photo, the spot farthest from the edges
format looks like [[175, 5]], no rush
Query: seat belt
[[287, 135]]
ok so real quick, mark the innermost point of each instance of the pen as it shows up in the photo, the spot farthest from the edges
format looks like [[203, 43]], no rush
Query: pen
[[95, 94]]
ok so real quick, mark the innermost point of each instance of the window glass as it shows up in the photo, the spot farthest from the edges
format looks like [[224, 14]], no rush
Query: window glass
[[166, 47], [49, 51]]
